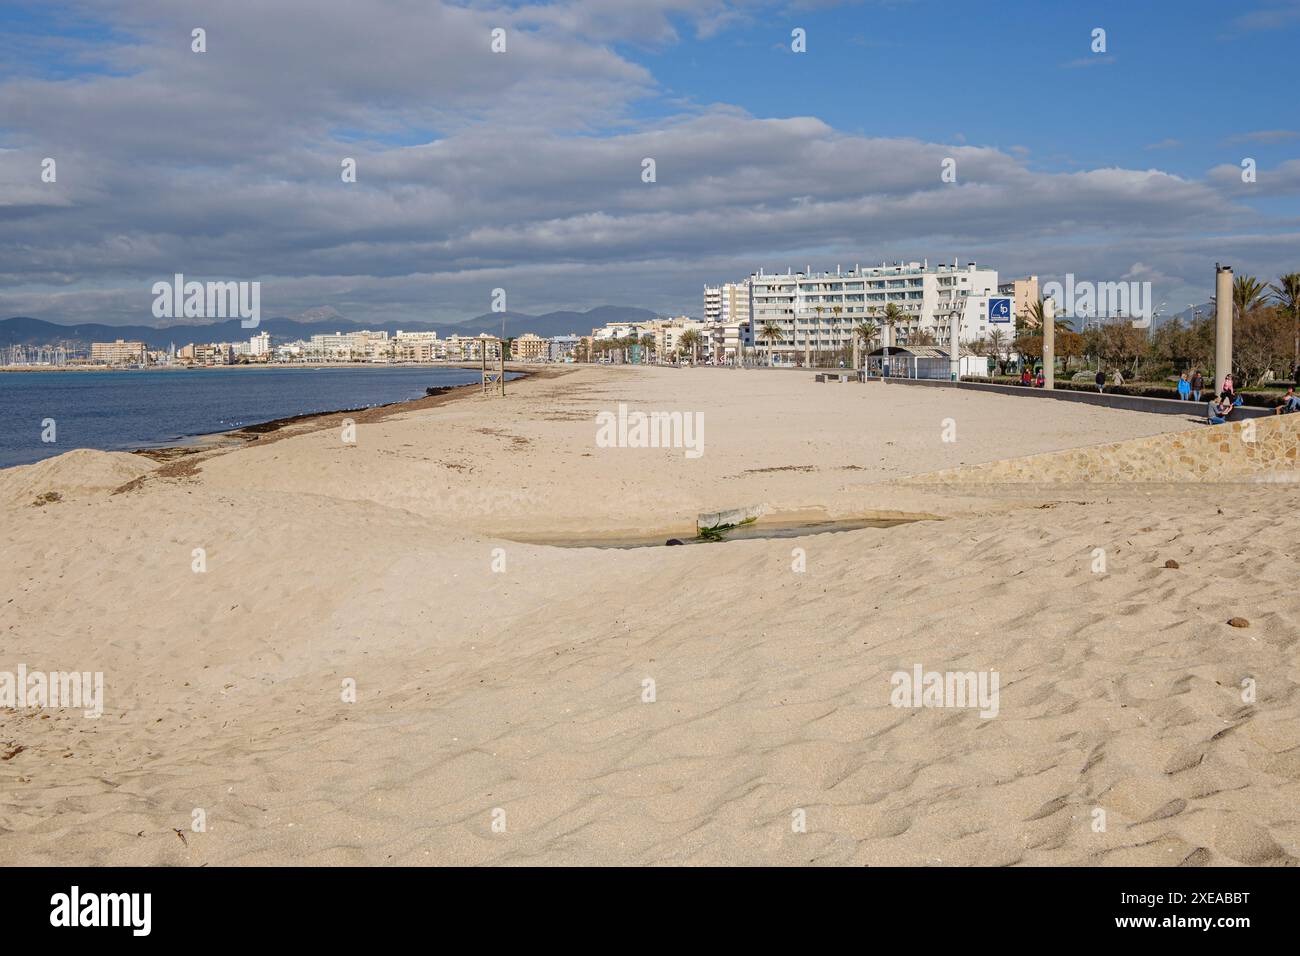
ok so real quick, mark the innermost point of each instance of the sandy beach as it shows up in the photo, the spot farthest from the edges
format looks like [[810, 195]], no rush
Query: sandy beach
[[501, 710]]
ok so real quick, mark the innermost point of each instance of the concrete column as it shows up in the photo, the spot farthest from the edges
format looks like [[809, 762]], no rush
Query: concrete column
[[1222, 325], [954, 348], [1049, 342]]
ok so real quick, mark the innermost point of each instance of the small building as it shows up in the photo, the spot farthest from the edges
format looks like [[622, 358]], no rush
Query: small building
[[924, 361]]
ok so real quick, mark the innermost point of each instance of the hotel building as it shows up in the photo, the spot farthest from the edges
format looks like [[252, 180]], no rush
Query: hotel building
[[118, 352], [530, 347], [819, 311]]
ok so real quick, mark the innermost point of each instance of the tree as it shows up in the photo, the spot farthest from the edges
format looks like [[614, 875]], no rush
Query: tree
[[771, 332], [690, 340], [1286, 294], [1001, 348], [1260, 342], [648, 344], [807, 348], [837, 311], [893, 315], [1247, 293]]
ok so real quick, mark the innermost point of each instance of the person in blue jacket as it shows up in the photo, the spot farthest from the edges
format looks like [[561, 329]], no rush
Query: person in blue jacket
[[1184, 387]]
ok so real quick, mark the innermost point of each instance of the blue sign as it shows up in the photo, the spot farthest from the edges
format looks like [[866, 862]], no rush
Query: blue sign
[[999, 310]]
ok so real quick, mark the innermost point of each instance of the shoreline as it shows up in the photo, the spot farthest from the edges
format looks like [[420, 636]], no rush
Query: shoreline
[[274, 429], [244, 435]]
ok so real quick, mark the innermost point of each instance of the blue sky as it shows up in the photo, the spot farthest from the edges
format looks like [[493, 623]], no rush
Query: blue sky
[[521, 170], [1181, 87]]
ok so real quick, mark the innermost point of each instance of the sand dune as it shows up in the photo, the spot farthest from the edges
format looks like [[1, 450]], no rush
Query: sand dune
[[518, 695]]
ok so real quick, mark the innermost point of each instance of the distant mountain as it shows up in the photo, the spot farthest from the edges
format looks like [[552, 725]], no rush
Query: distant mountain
[[28, 331]]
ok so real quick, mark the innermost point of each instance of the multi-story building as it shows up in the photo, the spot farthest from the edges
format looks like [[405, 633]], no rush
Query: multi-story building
[[464, 348], [819, 311], [530, 347], [1025, 293], [213, 353], [728, 342], [260, 345], [349, 346], [562, 347], [118, 352], [712, 303], [735, 303], [668, 336]]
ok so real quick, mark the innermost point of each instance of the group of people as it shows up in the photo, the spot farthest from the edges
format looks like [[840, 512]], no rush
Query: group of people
[[1191, 386]]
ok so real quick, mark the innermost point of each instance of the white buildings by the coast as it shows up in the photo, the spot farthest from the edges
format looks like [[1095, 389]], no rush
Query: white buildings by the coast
[[818, 311]]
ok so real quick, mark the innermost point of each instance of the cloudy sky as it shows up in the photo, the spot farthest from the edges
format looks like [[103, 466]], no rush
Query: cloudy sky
[[523, 169]]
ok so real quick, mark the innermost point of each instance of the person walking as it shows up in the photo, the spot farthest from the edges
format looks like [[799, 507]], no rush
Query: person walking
[[1184, 387], [1198, 384], [1101, 381]]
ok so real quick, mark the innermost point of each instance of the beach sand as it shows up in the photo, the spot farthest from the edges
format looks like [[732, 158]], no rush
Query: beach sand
[[503, 682]]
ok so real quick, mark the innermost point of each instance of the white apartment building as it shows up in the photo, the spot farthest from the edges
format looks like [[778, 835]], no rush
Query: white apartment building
[[712, 303], [735, 303], [343, 346], [668, 336], [259, 344], [819, 311], [727, 303]]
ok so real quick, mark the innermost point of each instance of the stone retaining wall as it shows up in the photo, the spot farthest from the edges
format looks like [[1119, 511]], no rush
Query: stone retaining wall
[[1251, 450]]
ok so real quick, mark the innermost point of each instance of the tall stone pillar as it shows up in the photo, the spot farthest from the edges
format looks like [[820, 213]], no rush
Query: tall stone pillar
[[1222, 325], [954, 348], [1049, 342]]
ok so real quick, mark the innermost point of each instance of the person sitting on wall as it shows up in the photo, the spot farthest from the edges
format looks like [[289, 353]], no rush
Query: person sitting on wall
[[1025, 380], [1290, 402], [1041, 380], [1228, 386], [1219, 411]]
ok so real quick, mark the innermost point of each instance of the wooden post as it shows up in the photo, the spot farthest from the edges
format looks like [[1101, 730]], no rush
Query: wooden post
[[502, 368], [483, 356]]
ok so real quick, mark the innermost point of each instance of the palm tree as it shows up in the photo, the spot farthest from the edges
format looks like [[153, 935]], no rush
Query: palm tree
[[837, 311], [1035, 314], [818, 310], [1247, 293], [648, 344], [690, 339], [893, 315], [771, 332], [1286, 293]]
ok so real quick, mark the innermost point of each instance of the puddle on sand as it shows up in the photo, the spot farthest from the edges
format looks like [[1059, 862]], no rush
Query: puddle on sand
[[759, 529]]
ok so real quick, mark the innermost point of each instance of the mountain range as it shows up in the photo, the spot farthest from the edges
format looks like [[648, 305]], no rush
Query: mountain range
[[27, 331]]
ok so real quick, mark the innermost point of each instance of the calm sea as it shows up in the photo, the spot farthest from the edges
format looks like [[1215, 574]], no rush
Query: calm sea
[[124, 410]]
